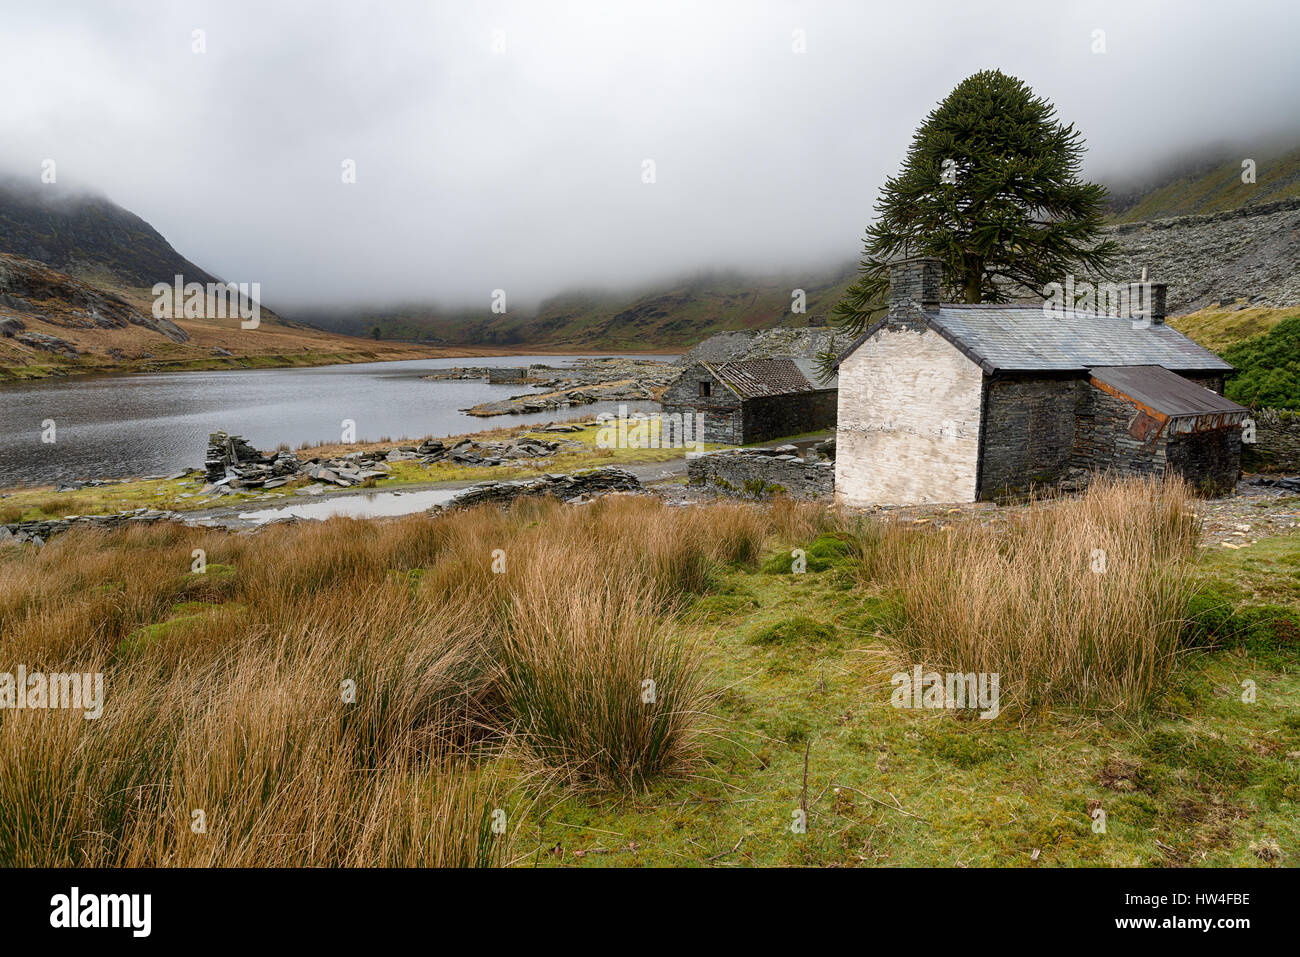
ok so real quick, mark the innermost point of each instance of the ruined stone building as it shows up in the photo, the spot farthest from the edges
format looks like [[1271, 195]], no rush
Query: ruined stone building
[[753, 400], [942, 402]]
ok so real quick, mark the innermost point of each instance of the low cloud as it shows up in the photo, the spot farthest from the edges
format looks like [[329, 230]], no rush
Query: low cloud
[[503, 145]]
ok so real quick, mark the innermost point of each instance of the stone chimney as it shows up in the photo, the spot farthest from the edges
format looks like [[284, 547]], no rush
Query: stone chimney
[[1157, 293], [914, 283]]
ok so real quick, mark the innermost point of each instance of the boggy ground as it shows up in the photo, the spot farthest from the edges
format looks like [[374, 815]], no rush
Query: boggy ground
[[500, 711]]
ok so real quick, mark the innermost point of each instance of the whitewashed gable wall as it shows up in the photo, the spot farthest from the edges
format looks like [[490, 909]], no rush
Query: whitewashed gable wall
[[908, 428]]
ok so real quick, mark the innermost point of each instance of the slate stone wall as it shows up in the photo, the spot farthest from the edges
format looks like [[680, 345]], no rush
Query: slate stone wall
[[1210, 380], [721, 408], [1106, 437], [1118, 436], [1047, 431], [779, 416], [760, 473], [1277, 442], [41, 531], [1209, 461], [1029, 432]]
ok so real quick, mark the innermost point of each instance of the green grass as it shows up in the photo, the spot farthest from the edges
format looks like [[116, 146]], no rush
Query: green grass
[[1218, 329], [1201, 779], [1268, 368]]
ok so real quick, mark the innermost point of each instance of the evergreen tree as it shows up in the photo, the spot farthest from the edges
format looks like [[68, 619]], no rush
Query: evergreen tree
[[991, 187]]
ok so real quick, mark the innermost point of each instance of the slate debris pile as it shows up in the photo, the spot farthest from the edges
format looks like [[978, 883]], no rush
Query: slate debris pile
[[232, 464]]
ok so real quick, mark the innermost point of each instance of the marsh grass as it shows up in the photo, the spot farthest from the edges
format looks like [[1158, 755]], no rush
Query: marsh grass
[[228, 692], [1071, 601], [354, 693]]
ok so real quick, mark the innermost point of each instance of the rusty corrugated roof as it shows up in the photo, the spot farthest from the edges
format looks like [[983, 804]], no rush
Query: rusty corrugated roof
[[1155, 387], [755, 378]]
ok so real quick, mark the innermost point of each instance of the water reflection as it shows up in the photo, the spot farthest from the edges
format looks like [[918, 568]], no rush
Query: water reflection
[[363, 505]]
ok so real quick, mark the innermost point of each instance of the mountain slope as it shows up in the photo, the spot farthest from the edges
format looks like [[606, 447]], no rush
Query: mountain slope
[[1211, 183], [52, 323], [37, 293], [675, 315], [87, 236], [76, 277]]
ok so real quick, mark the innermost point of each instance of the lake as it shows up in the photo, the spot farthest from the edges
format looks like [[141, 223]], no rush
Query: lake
[[125, 425]]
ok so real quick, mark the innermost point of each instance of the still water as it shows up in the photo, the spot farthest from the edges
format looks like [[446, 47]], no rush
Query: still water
[[117, 426], [363, 505]]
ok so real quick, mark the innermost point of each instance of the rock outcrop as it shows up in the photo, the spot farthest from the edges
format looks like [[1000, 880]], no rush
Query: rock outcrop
[[32, 291], [39, 532], [576, 488], [1251, 253]]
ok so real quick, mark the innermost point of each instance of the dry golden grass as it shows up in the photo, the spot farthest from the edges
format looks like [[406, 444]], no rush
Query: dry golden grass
[[490, 648], [225, 691], [1072, 602]]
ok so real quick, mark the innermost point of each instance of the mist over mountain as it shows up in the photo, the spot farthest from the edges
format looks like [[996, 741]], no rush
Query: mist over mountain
[[1201, 262], [504, 145], [88, 236]]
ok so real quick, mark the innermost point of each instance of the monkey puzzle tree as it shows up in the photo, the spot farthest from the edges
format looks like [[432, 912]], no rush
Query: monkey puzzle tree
[[991, 187]]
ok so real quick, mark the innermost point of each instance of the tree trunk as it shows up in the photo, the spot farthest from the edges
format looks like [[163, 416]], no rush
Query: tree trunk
[[974, 273]]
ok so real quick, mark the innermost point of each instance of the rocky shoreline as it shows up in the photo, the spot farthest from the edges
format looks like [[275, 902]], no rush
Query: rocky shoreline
[[232, 465], [588, 380], [575, 488]]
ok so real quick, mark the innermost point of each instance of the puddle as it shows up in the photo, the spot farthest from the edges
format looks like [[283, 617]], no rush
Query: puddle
[[360, 505]]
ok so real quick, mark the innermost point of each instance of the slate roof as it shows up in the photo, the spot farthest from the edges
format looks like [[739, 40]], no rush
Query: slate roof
[[1158, 389], [755, 378], [1005, 338]]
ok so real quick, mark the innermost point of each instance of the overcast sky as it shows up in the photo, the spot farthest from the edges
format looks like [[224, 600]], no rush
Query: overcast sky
[[521, 168]]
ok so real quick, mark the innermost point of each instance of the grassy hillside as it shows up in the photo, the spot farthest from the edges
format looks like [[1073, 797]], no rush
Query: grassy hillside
[[1268, 368], [1211, 187], [1218, 328], [675, 315]]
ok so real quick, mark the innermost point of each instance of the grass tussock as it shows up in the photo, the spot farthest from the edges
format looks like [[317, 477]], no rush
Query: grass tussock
[[1071, 602], [338, 693]]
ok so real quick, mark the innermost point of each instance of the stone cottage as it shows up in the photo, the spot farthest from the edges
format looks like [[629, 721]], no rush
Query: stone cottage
[[942, 402], [752, 400]]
